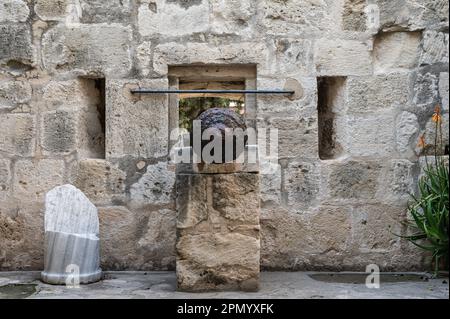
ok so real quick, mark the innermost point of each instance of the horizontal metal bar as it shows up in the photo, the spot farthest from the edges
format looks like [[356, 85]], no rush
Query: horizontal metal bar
[[146, 91]]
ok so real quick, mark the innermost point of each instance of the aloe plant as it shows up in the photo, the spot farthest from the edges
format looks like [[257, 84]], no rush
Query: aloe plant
[[429, 208], [429, 212]]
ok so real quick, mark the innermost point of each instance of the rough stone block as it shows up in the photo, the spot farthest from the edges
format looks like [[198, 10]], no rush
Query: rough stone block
[[407, 128], [201, 53], [412, 15], [14, 11], [374, 226], [443, 90], [233, 17], [98, 11], [216, 261], [136, 125], [72, 94], [66, 131], [32, 179], [302, 184], [298, 16], [14, 94], [366, 94], [218, 231], [354, 17], [234, 194], [17, 136], [395, 51], [59, 131], [353, 180], [71, 237], [155, 186], [5, 178], [173, 17], [296, 136], [293, 57], [157, 242], [434, 48], [342, 57], [15, 43], [101, 181], [370, 134], [426, 91], [397, 182], [329, 232], [97, 49], [117, 226], [50, 10]]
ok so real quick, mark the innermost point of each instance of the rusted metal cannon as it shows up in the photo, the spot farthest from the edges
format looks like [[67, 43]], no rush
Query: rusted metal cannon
[[221, 125]]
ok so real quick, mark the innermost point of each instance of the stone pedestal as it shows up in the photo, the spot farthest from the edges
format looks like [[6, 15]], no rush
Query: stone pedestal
[[72, 246], [218, 231]]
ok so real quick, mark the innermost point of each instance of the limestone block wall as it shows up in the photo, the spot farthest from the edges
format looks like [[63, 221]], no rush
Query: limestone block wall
[[347, 143]]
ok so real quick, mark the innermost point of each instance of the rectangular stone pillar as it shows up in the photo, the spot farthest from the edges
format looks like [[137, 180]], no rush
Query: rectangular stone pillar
[[218, 231]]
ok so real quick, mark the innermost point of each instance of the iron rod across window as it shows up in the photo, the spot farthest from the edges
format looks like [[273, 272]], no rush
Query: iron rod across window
[[147, 91]]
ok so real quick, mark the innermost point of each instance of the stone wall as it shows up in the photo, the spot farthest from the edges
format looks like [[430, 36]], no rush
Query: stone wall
[[66, 116]]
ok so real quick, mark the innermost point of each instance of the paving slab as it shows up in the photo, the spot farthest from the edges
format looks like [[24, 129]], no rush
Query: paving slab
[[274, 285]]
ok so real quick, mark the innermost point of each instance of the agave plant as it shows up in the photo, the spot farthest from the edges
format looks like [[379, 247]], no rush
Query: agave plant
[[429, 209]]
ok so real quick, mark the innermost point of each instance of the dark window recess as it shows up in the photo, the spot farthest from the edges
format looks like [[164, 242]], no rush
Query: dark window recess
[[330, 90]]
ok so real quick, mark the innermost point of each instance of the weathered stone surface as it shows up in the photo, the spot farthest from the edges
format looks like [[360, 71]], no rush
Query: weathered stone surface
[[342, 57], [21, 238], [366, 94], [430, 133], [396, 51], [136, 113], [14, 11], [14, 93], [15, 43], [233, 16], [293, 57], [234, 194], [201, 53], [396, 182], [218, 262], [374, 227], [101, 181], [353, 180], [172, 18], [117, 226], [32, 179], [434, 48], [412, 15], [98, 11], [426, 91], [144, 58], [443, 90], [74, 94], [71, 237], [370, 134], [298, 16], [17, 136], [98, 49], [49, 10], [270, 183], [158, 240], [302, 184], [5, 178], [66, 131], [406, 132], [155, 187], [296, 136], [354, 17]]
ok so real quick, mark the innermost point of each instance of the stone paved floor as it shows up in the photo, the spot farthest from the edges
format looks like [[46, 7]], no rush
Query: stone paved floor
[[273, 285]]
